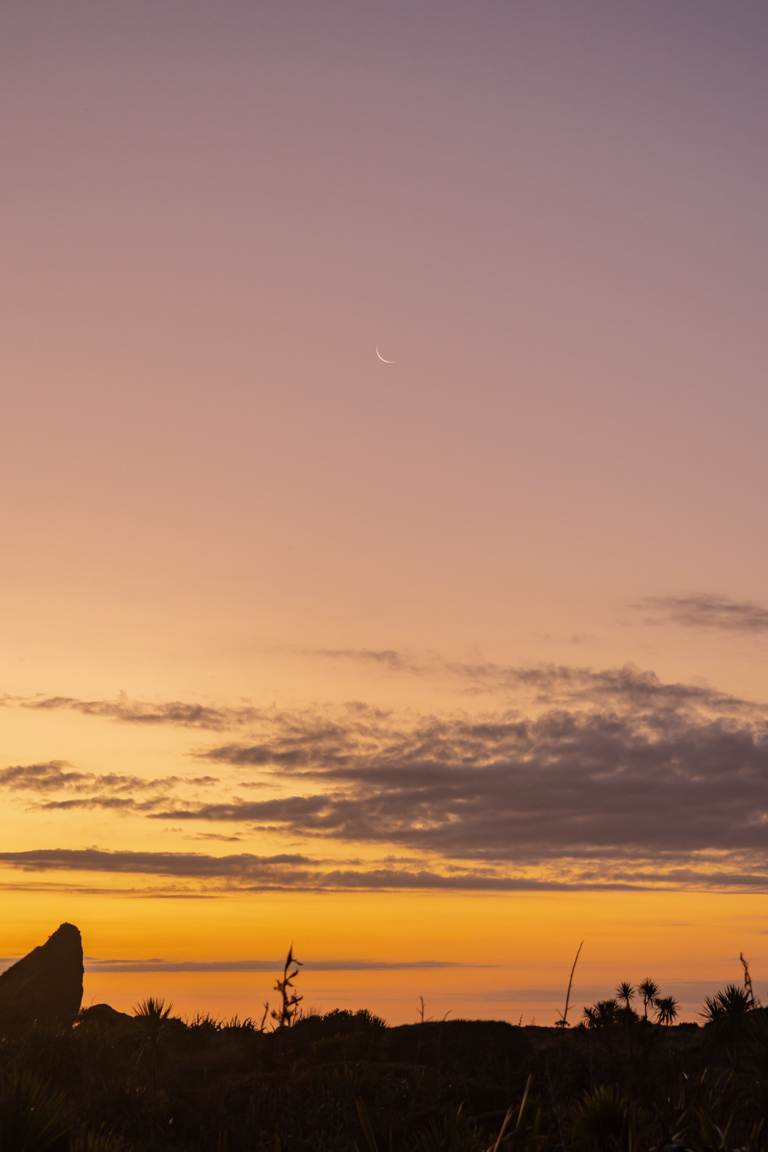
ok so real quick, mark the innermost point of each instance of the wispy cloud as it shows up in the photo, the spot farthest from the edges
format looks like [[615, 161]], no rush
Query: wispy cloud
[[523, 790], [544, 685], [56, 785], [599, 778], [707, 612], [67, 889], [172, 712], [227, 837], [382, 657], [310, 965], [627, 688], [549, 684], [47, 776], [187, 864], [210, 875]]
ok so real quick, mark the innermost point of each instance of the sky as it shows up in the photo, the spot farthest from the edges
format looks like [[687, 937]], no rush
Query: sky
[[435, 668]]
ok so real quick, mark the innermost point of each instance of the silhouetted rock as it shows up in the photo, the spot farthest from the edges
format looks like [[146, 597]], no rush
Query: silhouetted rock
[[105, 1016], [46, 986]]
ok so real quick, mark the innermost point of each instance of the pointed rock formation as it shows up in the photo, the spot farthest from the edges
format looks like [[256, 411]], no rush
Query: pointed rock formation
[[45, 987]]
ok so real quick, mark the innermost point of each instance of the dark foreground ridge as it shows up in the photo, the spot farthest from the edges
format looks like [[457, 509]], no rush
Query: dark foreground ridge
[[344, 1082]]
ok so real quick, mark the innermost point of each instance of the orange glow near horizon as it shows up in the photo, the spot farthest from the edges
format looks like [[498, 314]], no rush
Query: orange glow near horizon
[[508, 956]]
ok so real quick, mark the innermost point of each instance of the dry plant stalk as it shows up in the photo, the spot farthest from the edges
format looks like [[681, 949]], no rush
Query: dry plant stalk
[[562, 1022], [748, 980], [289, 1010]]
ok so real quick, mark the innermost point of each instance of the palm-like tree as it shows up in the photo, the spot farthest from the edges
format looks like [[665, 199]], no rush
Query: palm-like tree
[[624, 994], [731, 1002], [601, 1015], [154, 1010], [649, 991], [154, 1014], [666, 1009]]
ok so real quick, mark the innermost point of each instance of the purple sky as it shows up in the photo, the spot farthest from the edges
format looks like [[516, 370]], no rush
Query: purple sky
[[550, 215]]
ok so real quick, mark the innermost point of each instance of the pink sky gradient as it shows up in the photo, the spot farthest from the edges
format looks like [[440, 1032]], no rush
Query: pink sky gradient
[[551, 216]]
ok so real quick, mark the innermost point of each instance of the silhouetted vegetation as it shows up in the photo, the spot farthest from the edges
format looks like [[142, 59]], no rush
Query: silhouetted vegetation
[[290, 1001], [619, 1010], [626, 1078]]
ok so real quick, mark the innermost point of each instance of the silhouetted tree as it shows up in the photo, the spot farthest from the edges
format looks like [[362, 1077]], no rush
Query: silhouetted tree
[[601, 1014], [624, 994], [649, 991], [730, 1003], [666, 1009]]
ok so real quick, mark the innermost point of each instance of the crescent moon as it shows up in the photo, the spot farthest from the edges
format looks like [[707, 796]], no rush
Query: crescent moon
[[383, 360]]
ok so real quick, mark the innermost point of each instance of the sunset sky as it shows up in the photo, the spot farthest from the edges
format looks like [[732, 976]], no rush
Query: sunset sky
[[437, 667]]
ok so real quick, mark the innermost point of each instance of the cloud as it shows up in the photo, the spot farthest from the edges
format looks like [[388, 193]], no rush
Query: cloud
[[156, 796], [580, 784], [383, 657], [107, 803], [94, 790], [129, 711], [706, 612], [231, 838], [290, 872], [286, 872], [603, 779], [158, 964], [42, 777], [543, 685], [627, 688], [180, 864], [549, 684], [67, 889], [309, 965]]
